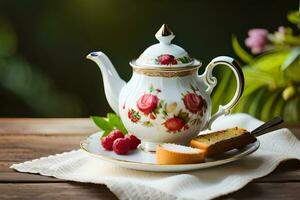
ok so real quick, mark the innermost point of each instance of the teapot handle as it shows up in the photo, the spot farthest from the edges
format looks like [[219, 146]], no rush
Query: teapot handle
[[211, 82]]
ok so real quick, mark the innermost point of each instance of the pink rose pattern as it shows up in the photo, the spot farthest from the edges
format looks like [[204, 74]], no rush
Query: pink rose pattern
[[168, 59], [147, 103], [194, 103], [150, 106]]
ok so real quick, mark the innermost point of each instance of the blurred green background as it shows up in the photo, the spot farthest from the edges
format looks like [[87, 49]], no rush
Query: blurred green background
[[43, 44]]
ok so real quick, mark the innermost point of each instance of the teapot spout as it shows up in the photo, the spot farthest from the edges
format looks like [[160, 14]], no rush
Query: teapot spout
[[113, 84]]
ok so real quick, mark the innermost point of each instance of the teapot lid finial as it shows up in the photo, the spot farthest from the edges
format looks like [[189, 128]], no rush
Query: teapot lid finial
[[164, 34], [164, 53]]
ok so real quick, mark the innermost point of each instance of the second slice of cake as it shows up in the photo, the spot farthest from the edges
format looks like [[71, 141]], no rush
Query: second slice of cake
[[221, 141]]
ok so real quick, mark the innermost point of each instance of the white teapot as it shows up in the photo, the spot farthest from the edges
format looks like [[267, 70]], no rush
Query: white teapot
[[165, 100]]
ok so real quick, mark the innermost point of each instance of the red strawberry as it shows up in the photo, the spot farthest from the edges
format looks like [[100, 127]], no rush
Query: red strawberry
[[107, 143], [121, 146], [133, 141], [115, 134], [174, 124]]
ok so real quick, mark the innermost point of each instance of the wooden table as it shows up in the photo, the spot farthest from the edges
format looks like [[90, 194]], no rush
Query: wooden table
[[26, 139]]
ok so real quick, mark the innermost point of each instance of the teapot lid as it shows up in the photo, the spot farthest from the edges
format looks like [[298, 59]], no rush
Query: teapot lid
[[164, 53]]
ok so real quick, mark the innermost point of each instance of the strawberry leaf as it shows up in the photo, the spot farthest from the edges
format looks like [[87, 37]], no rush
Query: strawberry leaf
[[116, 122], [102, 123], [109, 124]]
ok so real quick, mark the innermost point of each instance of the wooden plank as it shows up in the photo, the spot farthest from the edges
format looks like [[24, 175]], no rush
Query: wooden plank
[[265, 191], [47, 126], [26, 147], [78, 191], [50, 191], [19, 148], [294, 128], [288, 171]]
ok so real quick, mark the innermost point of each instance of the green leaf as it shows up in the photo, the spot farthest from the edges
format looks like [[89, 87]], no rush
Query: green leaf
[[193, 88], [222, 91], [244, 103], [291, 110], [243, 55], [184, 116], [292, 69], [272, 60], [110, 123], [257, 103], [278, 107], [291, 59], [147, 124], [102, 123], [294, 17], [291, 39], [115, 121], [255, 79], [184, 59], [164, 113], [151, 88], [268, 108]]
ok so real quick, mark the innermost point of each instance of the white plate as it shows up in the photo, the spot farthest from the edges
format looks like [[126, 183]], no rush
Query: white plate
[[140, 160]]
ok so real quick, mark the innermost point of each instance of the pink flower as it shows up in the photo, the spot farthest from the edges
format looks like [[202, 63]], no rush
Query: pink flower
[[257, 40], [193, 102], [174, 124], [167, 59], [147, 103]]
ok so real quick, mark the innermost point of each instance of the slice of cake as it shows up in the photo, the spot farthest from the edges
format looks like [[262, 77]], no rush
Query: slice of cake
[[173, 154], [218, 142]]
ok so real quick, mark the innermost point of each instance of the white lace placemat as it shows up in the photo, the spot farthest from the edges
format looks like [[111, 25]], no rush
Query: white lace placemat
[[209, 183]]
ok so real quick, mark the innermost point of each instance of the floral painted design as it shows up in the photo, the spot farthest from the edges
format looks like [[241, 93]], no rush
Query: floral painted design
[[134, 116], [174, 124], [194, 102], [167, 59], [175, 119], [178, 122], [147, 103], [184, 59]]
